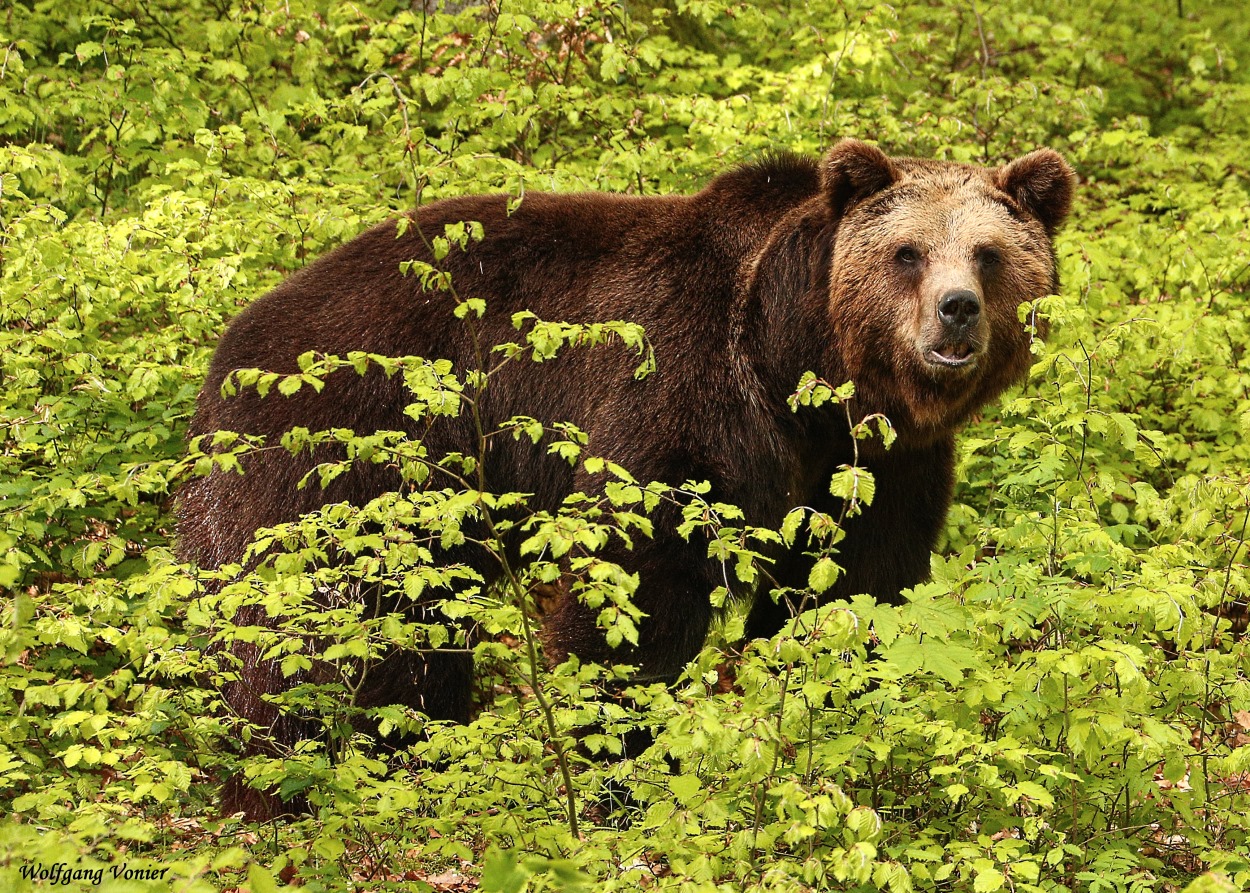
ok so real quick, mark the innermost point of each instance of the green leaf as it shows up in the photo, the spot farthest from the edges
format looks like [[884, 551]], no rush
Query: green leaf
[[856, 485], [260, 880], [988, 879], [502, 873], [687, 788], [823, 575]]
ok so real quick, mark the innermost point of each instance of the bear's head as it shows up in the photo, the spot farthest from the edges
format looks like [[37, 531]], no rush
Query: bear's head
[[931, 262]]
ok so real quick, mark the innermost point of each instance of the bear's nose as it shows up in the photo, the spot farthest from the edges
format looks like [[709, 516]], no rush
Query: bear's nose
[[959, 309]]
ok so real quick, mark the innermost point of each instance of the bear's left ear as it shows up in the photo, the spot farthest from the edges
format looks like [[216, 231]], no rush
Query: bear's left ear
[[1041, 182], [852, 171]]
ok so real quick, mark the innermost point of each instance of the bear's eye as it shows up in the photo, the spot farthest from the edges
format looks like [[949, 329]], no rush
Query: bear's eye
[[907, 255], [989, 258]]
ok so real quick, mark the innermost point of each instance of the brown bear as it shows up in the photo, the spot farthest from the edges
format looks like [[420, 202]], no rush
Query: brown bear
[[902, 275]]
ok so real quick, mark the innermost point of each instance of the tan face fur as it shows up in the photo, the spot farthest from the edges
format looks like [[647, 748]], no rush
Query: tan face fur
[[931, 262]]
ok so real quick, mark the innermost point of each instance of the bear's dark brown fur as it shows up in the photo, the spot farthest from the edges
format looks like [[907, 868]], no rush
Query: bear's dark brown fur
[[900, 274]]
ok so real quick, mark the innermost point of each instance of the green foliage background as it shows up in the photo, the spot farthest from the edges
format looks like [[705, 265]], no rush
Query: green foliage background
[[1064, 707]]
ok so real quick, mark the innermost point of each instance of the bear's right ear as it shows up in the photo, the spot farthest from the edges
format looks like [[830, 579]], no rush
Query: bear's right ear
[[852, 171]]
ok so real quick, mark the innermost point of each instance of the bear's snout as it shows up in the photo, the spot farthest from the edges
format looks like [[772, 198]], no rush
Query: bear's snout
[[957, 341], [952, 327], [959, 311]]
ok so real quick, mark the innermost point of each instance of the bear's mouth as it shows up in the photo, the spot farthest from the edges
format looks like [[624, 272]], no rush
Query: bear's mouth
[[955, 355]]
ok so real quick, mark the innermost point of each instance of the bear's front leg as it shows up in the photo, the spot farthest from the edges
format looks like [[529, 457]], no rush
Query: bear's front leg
[[673, 593], [887, 546]]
